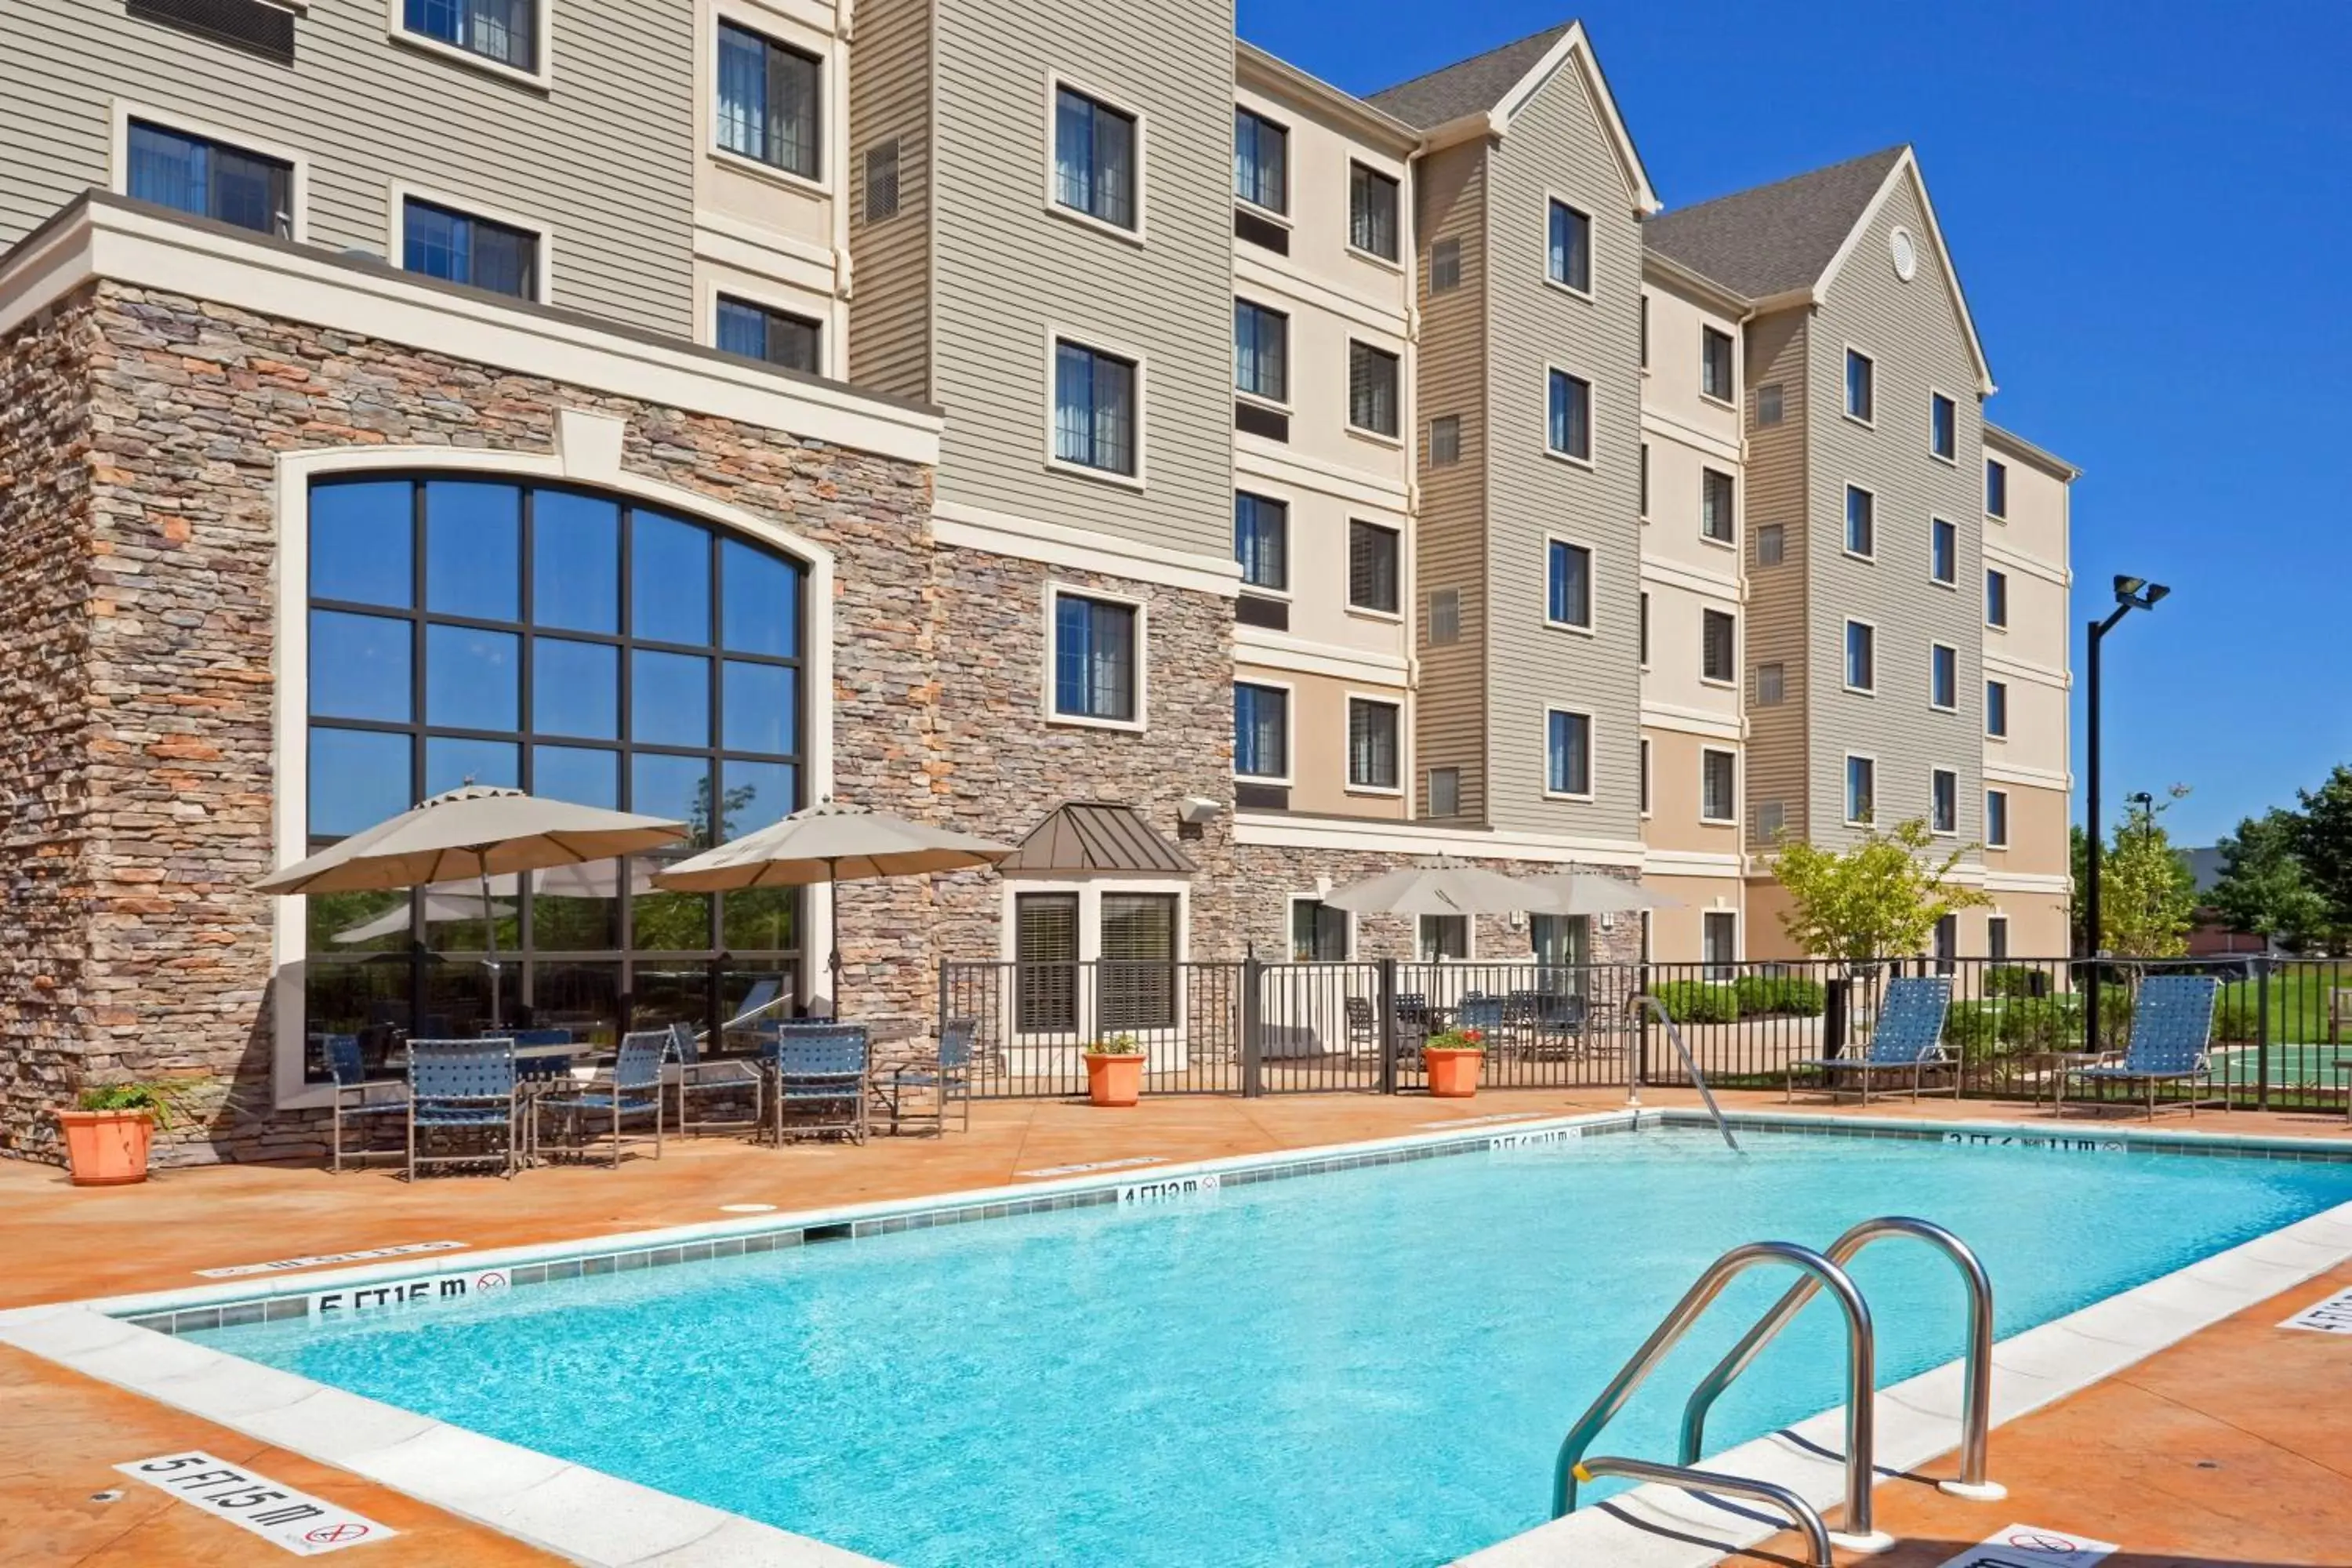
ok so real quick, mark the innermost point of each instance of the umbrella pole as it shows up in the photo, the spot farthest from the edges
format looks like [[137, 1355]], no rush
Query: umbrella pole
[[833, 929], [490, 937]]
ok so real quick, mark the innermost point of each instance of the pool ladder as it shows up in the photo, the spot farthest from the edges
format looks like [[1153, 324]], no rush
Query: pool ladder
[[1636, 1004], [1821, 1270]]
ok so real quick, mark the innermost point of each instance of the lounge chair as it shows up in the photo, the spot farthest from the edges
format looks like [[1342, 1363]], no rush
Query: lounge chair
[[537, 1076], [818, 1072], [464, 1086], [945, 1075], [1907, 1039], [633, 1089], [756, 1015], [356, 1094], [704, 1078], [2172, 1029]]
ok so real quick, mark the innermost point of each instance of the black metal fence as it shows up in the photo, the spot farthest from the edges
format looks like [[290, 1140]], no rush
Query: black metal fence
[[2281, 1029]]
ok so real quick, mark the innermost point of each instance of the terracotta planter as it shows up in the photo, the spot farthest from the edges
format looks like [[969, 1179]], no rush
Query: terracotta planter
[[1453, 1074], [106, 1148], [1114, 1080]]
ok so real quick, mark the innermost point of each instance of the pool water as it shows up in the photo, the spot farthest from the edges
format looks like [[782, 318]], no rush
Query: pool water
[[1374, 1367]]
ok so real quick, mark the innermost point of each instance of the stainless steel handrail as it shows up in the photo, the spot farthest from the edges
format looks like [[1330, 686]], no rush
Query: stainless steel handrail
[[1634, 1005], [1976, 1398], [1804, 1515], [1861, 1373]]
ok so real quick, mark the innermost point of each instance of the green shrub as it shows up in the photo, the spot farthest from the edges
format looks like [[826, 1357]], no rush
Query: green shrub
[[1698, 1002], [1784, 993], [2012, 1024], [2237, 1020], [2013, 980]]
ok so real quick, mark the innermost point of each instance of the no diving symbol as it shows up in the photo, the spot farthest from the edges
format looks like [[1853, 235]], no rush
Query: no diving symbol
[[2036, 1542], [337, 1534], [490, 1284], [1211, 1183]]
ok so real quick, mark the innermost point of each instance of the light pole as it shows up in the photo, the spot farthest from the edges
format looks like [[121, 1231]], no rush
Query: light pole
[[2131, 593]]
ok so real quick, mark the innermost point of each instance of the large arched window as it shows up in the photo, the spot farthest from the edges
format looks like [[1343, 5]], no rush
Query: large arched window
[[577, 646]]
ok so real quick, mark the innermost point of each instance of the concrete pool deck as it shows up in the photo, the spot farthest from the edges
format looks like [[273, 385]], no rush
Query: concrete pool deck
[[61, 1434]]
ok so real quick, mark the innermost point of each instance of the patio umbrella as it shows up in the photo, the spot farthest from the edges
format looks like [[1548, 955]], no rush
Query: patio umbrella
[[1444, 887], [831, 842], [477, 832], [440, 909], [1588, 893]]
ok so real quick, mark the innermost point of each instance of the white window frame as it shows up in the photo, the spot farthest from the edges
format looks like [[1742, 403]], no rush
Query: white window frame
[[1590, 627], [1290, 926], [1348, 698], [1984, 489], [2002, 842], [1591, 754], [1642, 630], [1056, 335], [1056, 592], [1954, 705], [1348, 390], [122, 111], [1738, 505], [1733, 757], [1091, 890], [1733, 617], [1137, 236], [2000, 626], [1395, 616], [1396, 176], [781, 31], [1289, 691], [1951, 584], [1739, 933], [1845, 657], [395, 23], [1845, 789], [402, 194], [1469, 938], [1592, 417], [1731, 403], [1289, 129], [1592, 241], [1954, 774], [1845, 387], [781, 297], [1992, 920], [1642, 487], [1935, 392], [2003, 736], [1845, 523], [1647, 801]]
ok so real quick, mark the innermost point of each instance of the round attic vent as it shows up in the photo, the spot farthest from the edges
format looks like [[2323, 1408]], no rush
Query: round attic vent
[[1906, 254]]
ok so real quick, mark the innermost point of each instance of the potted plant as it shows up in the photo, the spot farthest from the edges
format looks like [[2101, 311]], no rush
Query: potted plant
[[1452, 1059], [1115, 1070], [108, 1133]]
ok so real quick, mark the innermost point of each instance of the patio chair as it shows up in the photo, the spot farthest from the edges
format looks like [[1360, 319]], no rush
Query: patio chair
[[945, 1073], [2172, 1029], [536, 1076], [458, 1087], [1553, 1023], [1483, 1014], [1363, 1026], [756, 1015], [633, 1089], [818, 1070], [722, 1077], [356, 1094], [1907, 1039]]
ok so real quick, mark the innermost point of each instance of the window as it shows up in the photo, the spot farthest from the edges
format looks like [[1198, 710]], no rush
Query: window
[[1642, 632], [1568, 262], [1319, 933], [210, 179], [1372, 564], [1444, 937], [1571, 430], [881, 181], [1094, 158], [1719, 942], [1997, 710], [1445, 792], [1943, 427], [1373, 743], [1861, 657], [1371, 212], [1445, 615], [581, 646], [1944, 551], [1444, 265], [1771, 821], [501, 30], [1046, 963], [1568, 595], [1445, 440], [1719, 786], [1772, 544], [1261, 731], [1861, 386], [1719, 658], [758, 332], [1261, 352], [1567, 761], [1997, 938], [1262, 541], [1996, 599], [1996, 819], [1768, 401], [1944, 797], [1644, 509], [1943, 676], [1643, 785], [1094, 409], [1860, 522], [1995, 489], [1715, 365], [1646, 331], [768, 108], [1715, 502], [1771, 685], [1139, 963], [1093, 658], [1371, 389], [441, 242], [1947, 945], [1261, 162], [1861, 790], [1556, 943]]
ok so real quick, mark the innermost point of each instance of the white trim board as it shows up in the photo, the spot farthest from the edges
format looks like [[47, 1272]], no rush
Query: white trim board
[[1083, 550]]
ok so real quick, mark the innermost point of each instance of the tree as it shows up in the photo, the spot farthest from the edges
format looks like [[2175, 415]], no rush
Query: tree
[[2078, 907], [1881, 899], [2262, 889], [2148, 896], [2322, 843]]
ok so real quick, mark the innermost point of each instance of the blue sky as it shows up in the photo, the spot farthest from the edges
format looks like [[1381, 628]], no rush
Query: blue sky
[[2150, 208]]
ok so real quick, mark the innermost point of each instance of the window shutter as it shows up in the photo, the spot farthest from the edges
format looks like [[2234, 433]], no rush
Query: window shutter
[[1771, 685], [1767, 404], [1772, 820], [1445, 792], [882, 181], [1771, 543], [254, 25], [1445, 441]]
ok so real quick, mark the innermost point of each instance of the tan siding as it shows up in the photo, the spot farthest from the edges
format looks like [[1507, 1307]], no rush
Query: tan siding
[[890, 95], [1777, 348], [1451, 536], [605, 159]]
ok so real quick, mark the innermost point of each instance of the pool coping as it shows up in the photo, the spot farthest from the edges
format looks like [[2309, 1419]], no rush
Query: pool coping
[[132, 1341]]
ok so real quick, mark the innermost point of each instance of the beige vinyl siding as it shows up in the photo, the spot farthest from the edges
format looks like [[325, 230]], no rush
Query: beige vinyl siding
[[1557, 146], [1912, 331], [603, 159], [1006, 271], [1775, 619], [890, 95], [1450, 539]]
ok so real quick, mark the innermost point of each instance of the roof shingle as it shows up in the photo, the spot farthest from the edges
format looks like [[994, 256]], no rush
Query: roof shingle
[[1777, 238], [1467, 86], [1096, 835]]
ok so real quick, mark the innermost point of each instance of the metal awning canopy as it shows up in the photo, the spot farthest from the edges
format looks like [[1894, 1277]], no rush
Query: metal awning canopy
[[1082, 836]]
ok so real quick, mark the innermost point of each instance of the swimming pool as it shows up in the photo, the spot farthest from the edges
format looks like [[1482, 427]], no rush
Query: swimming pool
[[1369, 1366]]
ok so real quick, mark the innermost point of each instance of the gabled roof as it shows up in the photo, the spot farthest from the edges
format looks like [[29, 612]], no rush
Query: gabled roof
[[1096, 835]]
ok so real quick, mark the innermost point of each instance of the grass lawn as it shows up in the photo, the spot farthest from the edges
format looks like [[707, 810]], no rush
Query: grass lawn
[[2298, 999]]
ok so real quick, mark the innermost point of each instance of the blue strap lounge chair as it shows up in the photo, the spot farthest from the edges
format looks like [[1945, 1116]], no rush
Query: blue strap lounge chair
[[712, 1078], [633, 1089], [460, 1087], [538, 1074], [818, 1072], [944, 1078], [1907, 1039], [358, 1095], [2171, 1031]]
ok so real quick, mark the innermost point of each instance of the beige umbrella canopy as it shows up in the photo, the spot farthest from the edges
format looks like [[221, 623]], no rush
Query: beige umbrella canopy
[[440, 909], [1587, 893], [831, 842], [1444, 887]]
